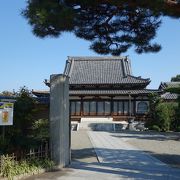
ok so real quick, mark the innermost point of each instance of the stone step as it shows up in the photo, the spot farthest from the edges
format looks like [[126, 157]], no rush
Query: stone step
[[102, 124]]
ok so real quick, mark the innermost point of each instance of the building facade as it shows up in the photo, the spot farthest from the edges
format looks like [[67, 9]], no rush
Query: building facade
[[167, 96], [105, 87]]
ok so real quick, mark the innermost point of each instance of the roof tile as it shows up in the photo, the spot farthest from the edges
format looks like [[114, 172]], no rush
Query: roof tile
[[101, 70]]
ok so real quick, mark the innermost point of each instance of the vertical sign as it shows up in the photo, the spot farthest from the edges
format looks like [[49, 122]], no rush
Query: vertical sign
[[6, 113]]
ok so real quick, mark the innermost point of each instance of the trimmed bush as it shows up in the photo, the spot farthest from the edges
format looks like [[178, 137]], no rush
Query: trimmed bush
[[178, 129], [155, 128], [163, 117]]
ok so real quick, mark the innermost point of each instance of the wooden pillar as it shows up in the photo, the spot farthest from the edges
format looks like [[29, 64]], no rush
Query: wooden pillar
[[81, 106], [134, 106], [129, 106], [112, 106]]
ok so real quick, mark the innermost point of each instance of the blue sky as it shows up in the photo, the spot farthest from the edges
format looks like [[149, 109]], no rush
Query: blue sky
[[28, 60]]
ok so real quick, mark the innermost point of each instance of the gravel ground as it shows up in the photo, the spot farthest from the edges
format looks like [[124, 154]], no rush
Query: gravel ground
[[164, 146]]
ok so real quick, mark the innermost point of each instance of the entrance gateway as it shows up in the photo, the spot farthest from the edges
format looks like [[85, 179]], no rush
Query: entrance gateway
[[92, 87]]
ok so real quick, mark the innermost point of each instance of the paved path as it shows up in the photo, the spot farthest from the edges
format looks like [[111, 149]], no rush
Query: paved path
[[82, 149], [117, 160], [133, 163]]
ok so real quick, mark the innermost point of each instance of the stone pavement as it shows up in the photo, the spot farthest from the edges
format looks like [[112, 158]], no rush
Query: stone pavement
[[116, 160]]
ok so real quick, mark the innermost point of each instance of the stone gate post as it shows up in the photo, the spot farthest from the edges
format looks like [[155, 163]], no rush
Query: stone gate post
[[59, 120]]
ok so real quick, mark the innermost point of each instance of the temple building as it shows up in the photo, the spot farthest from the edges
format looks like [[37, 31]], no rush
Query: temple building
[[167, 96], [105, 87]]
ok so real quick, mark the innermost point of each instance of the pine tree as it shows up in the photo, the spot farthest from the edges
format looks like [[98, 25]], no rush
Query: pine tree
[[111, 26]]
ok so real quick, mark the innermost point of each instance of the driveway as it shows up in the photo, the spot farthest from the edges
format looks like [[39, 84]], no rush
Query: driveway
[[105, 156]]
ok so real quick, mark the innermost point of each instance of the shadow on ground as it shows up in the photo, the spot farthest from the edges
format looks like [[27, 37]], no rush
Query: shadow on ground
[[171, 159], [148, 135], [123, 163], [84, 155]]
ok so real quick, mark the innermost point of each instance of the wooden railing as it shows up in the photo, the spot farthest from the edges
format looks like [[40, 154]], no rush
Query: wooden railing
[[43, 151]]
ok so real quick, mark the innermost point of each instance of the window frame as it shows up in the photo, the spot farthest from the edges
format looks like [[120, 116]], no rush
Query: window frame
[[137, 107]]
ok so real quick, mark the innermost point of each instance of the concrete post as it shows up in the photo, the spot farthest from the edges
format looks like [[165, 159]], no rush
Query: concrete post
[[59, 120]]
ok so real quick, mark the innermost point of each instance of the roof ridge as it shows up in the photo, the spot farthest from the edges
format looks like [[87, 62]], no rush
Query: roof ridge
[[71, 67], [138, 77], [85, 58], [172, 82], [40, 91]]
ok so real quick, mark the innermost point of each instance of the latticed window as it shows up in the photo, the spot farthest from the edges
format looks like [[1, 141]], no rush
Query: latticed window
[[100, 108], [75, 108], [107, 107], [86, 107], [142, 107], [126, 107], [93, 108]]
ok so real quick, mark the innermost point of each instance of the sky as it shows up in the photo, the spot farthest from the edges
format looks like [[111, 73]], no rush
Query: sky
[[26, 60]]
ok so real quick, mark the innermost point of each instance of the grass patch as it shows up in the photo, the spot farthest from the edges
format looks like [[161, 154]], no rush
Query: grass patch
[[11, 167]]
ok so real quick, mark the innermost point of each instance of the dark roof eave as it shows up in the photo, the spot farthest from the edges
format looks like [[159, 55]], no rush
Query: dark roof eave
[[110, 92], [47, 82], [104, 84]]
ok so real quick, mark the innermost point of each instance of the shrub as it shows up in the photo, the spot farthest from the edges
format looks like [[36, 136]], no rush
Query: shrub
[[11, 168], [7, 167], [178, 129], [162, 114], [163, 117], [4, 143], [41, 130], [156, 128], [173, 109]]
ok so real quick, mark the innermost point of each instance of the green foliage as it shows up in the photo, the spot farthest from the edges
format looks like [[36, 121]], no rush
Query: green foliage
[[154, 100], [19, 136], [176, 122], [7, 166], [41, 129], [163, 116], [23, 109], [11, 168], [27, 131], [111, 26], [176, 78], [19, 133], [178, 129], [176, 90], [4, 143], [155, 128]]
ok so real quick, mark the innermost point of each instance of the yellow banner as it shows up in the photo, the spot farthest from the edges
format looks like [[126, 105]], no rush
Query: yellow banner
[[6, 113], [5, 116]]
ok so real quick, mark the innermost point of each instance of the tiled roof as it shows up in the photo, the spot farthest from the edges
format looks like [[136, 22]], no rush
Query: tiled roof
[[7, 98], [112, 92], [164, 85], [169, 96], [40, 93], [102, 92], [101, 70]]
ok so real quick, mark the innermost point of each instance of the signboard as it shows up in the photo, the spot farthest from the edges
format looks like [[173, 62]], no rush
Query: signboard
[[6, 113]]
